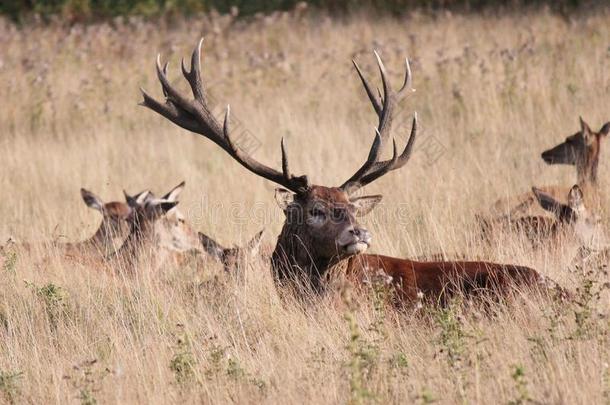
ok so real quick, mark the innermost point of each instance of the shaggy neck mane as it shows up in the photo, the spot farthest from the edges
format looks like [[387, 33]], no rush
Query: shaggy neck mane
[[294, 257]]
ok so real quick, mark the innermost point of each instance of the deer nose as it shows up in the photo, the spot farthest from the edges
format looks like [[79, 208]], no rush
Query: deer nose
[[361, 233], [547, 156]]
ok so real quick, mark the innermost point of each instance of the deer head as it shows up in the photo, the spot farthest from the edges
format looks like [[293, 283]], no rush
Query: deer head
[[146, 210], [233, 259], [172, 231], [321, 226], [114, 226], [581, 150], [586, 226]]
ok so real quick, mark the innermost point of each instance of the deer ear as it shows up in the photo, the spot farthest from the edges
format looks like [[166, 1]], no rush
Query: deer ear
[[174, 193], [576, 198], [138, 199], [166, 205], [212, 247], [365, 204], [585, 129], [144, 197], [549, 203], [92, 200], [283, 198], [254, 244], [130, 200], [605, 129]]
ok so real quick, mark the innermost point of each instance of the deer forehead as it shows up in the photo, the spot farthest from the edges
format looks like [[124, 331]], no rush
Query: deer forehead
[[328, 195]]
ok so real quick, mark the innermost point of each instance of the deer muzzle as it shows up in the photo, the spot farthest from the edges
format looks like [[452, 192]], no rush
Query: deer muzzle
[[354, 240]]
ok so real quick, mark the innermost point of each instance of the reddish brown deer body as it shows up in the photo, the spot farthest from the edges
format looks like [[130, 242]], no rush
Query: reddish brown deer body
[[108, 237], [321, 228], [112, 231], [437, 282]]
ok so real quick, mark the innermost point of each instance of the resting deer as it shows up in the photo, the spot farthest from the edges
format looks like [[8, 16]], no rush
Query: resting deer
[[172, 230], [156, 228], [581, 150], [108, 237], [572, 218], [112, 231], [233, 259], [321, 231]]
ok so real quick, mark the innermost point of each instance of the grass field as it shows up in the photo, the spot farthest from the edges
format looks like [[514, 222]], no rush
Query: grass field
[[492, 93]]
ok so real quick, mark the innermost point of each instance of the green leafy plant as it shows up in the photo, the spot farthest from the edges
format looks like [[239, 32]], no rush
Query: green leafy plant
[[523, 396], [86, 379], [183, 363]]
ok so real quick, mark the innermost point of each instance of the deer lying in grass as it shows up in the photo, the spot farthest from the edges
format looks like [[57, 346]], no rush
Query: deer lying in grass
[[571, 218], [581, 150], [233, 259], [108, 237], [321, 231], [172, 230], [112, 231], [157, 230]]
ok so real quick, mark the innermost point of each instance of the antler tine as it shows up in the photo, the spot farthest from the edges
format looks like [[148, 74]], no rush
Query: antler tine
[[381, 168], [169, 111], [165, 68], [371, 160], [384, 80], [378, 169], [372, 167], [297, 184], [367, 88], [193, 76], [171, 94], [407, 84], [196, 116], [285, 167]]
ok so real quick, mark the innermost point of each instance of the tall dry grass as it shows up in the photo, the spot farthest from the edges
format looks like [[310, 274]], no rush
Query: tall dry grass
[[492, 93]]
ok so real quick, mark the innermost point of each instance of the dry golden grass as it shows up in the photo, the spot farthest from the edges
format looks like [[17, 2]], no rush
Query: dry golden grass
[[493, 92]]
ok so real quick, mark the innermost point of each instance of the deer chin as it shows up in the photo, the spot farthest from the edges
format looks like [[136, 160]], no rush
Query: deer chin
[[355, 248]]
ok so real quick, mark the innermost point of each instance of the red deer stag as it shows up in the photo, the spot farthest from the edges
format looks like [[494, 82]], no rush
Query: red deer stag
[[321, 230], [581, 150]]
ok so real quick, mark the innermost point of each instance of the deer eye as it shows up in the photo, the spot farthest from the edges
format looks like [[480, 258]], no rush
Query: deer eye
[[339, 214]]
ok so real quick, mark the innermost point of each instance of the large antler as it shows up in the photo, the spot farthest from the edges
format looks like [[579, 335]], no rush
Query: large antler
[[384, 105], [195, 116]]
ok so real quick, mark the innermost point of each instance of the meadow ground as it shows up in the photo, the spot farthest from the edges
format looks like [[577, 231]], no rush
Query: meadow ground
[[492, 93]]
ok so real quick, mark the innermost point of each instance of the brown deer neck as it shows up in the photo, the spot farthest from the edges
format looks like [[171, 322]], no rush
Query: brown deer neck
[[586, 168], [141, 233], [104, 239], [294, 259]]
